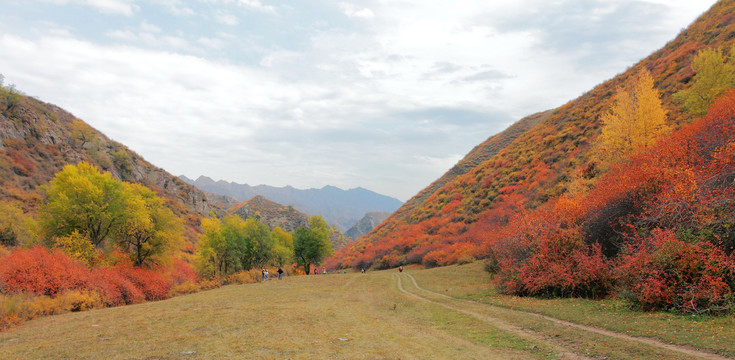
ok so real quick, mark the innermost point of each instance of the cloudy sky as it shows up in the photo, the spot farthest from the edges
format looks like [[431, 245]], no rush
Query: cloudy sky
[[382, 94]]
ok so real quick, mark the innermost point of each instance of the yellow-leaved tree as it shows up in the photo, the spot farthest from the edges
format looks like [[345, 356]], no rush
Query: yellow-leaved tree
[[283, 248], [149, 231], [713, 77], [637, 119]]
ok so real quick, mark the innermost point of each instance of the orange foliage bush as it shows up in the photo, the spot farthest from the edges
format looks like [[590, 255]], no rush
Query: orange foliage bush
[[181, 272], [38, 281], [39, 271], [115, 288], [151, 283], [534, 255], [184, 288], [662, 272]]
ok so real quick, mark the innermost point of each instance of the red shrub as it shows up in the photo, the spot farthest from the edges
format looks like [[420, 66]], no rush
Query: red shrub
[[153, 285], [38, 271], [115, 288], [566, 266], [25, 165], [663, 272], [181, 272], [561, 265]]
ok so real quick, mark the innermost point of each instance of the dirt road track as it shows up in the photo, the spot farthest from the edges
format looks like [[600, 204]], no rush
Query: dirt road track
[[533, 336]]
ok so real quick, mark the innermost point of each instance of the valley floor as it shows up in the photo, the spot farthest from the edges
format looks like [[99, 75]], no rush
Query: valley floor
[[442, 313]]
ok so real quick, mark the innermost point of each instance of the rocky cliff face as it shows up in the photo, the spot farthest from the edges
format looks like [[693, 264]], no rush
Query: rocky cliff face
[[367, 224]]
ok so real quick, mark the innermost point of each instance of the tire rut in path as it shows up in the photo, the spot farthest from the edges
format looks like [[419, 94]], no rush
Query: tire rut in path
[[500, 324], [647, 341]]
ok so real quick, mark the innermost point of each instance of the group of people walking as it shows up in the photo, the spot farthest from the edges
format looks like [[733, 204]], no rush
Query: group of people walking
[[266, 275]]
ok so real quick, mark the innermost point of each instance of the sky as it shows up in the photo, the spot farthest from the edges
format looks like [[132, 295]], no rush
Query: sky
[[381, 94]]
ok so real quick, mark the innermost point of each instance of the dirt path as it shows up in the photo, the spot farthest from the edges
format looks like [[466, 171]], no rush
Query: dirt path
[[647, 341], [500, 324]]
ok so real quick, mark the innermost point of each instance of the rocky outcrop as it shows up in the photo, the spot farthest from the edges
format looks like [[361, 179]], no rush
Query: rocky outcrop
[[272, 214], [366, 224]]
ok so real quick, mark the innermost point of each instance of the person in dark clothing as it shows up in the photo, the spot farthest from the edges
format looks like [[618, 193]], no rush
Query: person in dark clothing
[[280, 273]]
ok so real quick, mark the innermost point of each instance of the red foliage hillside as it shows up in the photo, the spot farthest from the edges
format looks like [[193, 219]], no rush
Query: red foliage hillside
[[453, 220], [663, 219]]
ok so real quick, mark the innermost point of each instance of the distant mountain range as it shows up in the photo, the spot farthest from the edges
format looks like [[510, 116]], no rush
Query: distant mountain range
[[342, 208]]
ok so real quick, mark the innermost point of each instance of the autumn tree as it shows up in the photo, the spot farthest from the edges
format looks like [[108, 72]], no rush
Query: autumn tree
[[84, 204], [10, 97], [714, 75], [258, 244], [81, 133], [311, 245], [76, 246], [149, 230], [16, 227], [81, 198], [233, 244], [636, 119], [283, 246], [211, 259]]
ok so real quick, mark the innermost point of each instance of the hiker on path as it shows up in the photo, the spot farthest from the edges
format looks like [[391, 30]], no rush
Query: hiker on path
[[262, 274], [400, 268], [280, 273], [265, 277]]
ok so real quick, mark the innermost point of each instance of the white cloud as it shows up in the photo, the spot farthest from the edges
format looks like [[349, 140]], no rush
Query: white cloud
[[257, 5], [120, 7], [211, 42], [176, 7], [151, 36], [227, 18], [147, 27], [355, 12], [326, 100]]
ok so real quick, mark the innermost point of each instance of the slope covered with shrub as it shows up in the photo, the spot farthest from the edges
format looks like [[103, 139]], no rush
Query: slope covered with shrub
[[38, 139], [658, 225], [456, 222]]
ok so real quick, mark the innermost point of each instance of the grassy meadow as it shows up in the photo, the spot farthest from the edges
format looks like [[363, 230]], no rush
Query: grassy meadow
[[378, 315]]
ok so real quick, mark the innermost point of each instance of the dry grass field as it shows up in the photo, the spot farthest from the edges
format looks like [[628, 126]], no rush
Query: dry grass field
[[379, 315]]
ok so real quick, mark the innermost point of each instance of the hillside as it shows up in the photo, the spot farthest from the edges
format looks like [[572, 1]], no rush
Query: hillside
[[286, 217], [37, 139], [453, 218], [480, 153], [271, 213], [366, 224], [342, 208]]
